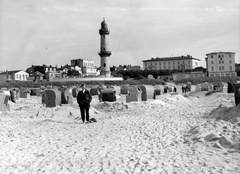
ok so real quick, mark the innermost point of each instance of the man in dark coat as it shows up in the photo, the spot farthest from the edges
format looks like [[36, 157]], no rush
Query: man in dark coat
[[84, 99]]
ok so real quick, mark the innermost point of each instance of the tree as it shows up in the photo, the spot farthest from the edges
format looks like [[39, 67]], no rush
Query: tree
[[113, 68], [73, 72], [238, 73]]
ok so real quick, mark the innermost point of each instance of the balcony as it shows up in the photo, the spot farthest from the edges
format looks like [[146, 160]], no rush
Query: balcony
[[104, 31], [104, 53]]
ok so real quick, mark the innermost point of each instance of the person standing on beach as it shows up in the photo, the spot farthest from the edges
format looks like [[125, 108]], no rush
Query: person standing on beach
[[175, 89], [13, 95], [84, 99]]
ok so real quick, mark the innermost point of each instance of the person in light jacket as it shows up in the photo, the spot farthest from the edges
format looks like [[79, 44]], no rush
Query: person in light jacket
[[84, 99]]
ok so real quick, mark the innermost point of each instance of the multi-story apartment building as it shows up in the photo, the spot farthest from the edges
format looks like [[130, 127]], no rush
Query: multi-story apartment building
[[87, 66], [220, 64], [171, 63]]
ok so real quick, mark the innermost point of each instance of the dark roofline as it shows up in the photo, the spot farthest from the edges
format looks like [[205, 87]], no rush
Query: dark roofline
[[221, 53], [171, 58], [11, 72]]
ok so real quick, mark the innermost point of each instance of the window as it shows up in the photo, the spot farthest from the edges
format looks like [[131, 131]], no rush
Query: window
[[230, 67], [219, 56], [230, 61], [104, 65], [178, 62], [156, 64], [219, 67], [212, 62], [220, 61], [223, 62], [222, 67], [168, 63], [211, 56], [189, 62], [145, 64], [173, 63], [164, 63], [160, 63], [212, 69], [229, 55], [164, 67], [151, 64]]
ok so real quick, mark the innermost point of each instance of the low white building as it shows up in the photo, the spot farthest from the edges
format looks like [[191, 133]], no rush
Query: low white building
[[18, 75], [220, 64]]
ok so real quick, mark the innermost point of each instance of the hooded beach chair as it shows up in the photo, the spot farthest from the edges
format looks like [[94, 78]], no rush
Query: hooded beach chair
[[51, 98]]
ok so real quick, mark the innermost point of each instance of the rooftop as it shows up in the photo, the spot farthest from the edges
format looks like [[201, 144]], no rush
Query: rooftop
[[221, 53], [10, 72], [171, 58]]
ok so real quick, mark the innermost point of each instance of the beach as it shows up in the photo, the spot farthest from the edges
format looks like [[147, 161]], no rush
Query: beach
[[194, 133]]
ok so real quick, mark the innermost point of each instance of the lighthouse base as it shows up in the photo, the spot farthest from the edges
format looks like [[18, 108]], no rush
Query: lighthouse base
[[105, 73]]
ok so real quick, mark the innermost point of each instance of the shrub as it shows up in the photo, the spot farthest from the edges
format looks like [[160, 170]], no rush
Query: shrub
[[198, 80], [89, 83]]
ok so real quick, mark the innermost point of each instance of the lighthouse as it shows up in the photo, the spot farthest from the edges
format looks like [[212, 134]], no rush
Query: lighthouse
[[104, 49]]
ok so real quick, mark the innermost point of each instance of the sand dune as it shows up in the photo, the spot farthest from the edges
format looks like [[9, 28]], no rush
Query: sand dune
[[173, 134]]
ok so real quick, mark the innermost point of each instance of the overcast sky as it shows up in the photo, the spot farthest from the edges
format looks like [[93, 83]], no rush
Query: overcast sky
[[52, 32]]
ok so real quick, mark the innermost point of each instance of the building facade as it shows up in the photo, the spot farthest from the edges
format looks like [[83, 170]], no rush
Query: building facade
[[104, 50], [220, 64], [172, 63], [11, 76], [86, 66]]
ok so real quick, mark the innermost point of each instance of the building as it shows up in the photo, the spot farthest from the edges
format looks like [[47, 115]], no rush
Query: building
[[52, 72], [12, 76], [104, 50], [172, 63], [237, 67], [220, 64], [191, 74], [85, 67]]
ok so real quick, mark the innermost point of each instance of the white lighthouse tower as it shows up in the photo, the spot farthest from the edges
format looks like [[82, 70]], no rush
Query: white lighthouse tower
[[104, 49]]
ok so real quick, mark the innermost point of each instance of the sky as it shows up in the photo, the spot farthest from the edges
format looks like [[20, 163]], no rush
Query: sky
[[53, 32]]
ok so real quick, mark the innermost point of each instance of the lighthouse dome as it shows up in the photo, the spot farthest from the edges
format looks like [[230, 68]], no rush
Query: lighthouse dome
[[104, 24]]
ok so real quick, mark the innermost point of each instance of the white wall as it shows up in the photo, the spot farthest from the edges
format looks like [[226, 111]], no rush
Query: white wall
[[21, 76], [221, 64], [172, 64]]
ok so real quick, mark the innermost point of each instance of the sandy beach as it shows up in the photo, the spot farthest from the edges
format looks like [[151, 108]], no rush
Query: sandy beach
[[173, 134]]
